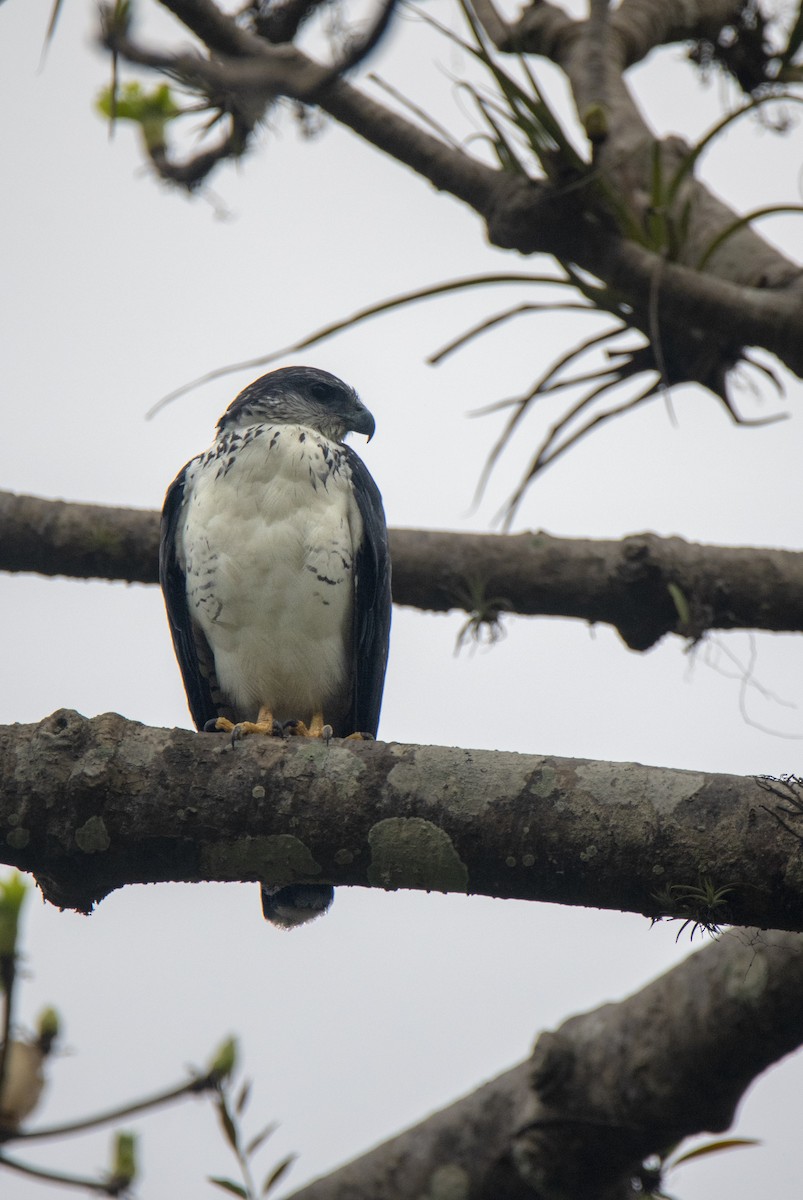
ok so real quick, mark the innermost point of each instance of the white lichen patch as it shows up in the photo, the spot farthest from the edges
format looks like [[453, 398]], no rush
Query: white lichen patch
[[309, 755], [136, 752], [279, 858], [91, 769], [748, 976], [92, 837], [317, 758], [630, 783], [449, 1182], [546, 782], [413, 853], [472, 782]]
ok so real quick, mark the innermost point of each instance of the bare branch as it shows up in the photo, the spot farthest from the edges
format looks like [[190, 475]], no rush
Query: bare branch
[[750, 294], [606, 1092], [627, 584], [639, 26], [216, 29], [369, 42]]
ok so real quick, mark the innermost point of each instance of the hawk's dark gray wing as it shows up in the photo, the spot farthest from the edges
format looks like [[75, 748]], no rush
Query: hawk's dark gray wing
[[371, 604], [192, 651]]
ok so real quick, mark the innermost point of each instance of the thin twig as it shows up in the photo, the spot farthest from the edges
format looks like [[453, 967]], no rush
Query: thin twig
[[103, 1187], [191, 1087], [8, 975]]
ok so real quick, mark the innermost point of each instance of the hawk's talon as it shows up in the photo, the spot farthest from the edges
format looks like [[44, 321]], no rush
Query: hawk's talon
[[267, 728], [316, 729], [359, 737], [218, 725]]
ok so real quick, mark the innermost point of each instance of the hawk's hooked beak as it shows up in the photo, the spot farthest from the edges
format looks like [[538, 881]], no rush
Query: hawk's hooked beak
[[362, 421]]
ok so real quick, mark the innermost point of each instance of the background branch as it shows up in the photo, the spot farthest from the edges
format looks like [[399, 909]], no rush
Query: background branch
[[604, 216], [633, 584], [604, 1092]]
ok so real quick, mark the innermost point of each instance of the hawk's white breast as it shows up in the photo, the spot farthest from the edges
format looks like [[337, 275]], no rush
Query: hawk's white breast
[[267, 538]]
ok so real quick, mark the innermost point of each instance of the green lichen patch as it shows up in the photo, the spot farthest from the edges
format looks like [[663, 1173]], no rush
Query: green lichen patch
[[93, 837], [18, 838], [279, 858], [413, 853]]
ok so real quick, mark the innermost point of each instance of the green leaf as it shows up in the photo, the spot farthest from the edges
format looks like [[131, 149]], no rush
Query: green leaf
[[259, 1138], [680, 602], [735, 226], [715, 1148], [52, 23], [508, 159], [150, 110], [13, 890], [364, 314], [124, 1170], [229, 1128], [228, 1185], [278, 1173], [243, 1097], [48, 1027], [225, 1059], [688, 163]]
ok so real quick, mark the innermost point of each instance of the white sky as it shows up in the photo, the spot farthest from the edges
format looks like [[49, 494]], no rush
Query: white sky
[[114, 291]]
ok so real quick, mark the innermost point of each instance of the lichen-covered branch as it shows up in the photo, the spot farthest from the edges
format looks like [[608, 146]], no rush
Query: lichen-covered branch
[[603, 1092], [645, 586], [91, 805]]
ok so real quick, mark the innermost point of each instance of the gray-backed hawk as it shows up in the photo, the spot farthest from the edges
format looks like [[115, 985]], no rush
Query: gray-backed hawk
[[276, 576]]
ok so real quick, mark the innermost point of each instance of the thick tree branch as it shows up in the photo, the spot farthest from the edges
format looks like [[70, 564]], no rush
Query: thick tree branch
[[606, 1092], [638, 27], [643, 25], [699, 312], [91, 805], [645, 586]]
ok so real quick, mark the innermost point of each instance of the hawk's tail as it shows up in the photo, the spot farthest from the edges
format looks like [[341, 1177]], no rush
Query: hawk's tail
[[296, 904]]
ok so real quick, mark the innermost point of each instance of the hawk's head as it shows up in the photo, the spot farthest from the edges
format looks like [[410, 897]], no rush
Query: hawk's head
[[300, 396]]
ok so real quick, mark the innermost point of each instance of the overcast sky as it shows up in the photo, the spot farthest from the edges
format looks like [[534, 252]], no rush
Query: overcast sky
[[114, 291]]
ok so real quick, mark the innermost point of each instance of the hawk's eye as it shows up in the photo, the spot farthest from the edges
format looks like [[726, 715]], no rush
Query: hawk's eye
[[322, 391]]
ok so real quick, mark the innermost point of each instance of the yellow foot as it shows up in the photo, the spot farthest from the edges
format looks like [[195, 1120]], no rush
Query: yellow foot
[[316, 728], [359, 737], [264, 724]]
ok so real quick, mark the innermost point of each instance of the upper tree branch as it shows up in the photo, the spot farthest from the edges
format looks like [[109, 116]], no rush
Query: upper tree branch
[[639, 26], [605, 1091], [748, 294], [91, 805], [645, 586], [273, 71]]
